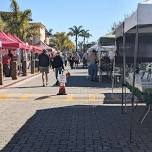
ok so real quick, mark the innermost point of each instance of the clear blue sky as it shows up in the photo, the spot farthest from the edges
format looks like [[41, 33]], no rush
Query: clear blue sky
[[96, 15]]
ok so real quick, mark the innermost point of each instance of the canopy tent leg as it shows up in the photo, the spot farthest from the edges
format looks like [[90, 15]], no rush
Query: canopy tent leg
[[100, 71], [113, 76], [145, 114], [133, 84], [124, 73]]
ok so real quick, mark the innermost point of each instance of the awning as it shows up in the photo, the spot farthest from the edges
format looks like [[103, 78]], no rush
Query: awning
[[7, 42], [43, 46], [142, 16], [16, 39]]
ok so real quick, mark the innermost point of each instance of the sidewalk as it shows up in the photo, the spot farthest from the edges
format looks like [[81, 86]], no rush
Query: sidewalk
[[7, 81], [35, 119]]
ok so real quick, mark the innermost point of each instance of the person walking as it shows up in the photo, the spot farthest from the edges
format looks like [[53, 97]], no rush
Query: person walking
[[65, 59], [58, 66], [93, 65], [71, 61], [6, 65], [76, 59], [84, 59], [44, 63]]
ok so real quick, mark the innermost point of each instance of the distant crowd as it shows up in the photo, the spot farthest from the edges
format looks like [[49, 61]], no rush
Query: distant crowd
[[57, 62]]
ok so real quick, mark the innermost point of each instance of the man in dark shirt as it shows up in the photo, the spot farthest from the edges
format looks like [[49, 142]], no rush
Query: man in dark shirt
[[44, 63], [57, 65]]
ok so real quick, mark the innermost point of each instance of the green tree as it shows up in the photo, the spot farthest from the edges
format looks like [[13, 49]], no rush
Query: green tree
[[2, 24], [18, 22], [80, 45], [61, 41], [85, 34], [76, 31]]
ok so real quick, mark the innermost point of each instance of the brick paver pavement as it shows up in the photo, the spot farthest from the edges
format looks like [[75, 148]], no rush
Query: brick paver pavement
[[48, 125]]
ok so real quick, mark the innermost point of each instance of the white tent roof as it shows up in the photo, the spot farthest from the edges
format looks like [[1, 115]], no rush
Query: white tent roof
[[142, 16], [96, 47], [99, 48], [111, 49]]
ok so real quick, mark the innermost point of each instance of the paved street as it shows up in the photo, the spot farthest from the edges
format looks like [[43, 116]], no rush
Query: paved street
[[34, 119]]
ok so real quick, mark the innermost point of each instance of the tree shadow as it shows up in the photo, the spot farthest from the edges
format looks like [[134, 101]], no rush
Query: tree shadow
[[81, 128], [116, 98], [82, 81]]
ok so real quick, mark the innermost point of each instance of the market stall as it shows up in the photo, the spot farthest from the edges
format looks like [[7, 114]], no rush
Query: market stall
[[106, 53], [134, 44]]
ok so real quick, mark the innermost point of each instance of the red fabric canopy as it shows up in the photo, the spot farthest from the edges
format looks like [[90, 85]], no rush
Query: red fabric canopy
[[8, 43], [13, 42], [36, 49], [12, 38]]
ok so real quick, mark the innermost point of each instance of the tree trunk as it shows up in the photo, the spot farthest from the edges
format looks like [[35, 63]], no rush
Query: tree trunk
[[84, 44], [76, 42]]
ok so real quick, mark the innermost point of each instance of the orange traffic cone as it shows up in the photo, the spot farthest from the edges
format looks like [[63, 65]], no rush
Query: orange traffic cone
[[62, 90]]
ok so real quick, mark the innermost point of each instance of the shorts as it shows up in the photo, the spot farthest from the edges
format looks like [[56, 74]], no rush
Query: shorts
[[44, 69]]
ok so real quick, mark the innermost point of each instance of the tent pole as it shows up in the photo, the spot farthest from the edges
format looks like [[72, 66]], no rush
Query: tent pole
[[134, 74], [113, 75], [124, 71], [100, 67]]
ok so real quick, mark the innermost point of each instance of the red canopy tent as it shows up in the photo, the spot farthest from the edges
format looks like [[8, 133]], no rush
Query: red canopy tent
[[12, 38], [16, 39], [13, 42], [7, 42]]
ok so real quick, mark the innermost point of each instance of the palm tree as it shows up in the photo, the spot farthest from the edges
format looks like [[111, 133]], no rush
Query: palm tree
[[76, 31], [68, 44], [61, 41], [2, 25], [18, 22], [85, 34], [80, 45]]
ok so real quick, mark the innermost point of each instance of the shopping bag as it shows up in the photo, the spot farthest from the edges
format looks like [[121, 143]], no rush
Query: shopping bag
[[62, 78]]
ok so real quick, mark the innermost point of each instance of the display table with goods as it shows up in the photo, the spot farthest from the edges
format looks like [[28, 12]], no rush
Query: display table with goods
[[142, 89], [134, 45], [105, 67]]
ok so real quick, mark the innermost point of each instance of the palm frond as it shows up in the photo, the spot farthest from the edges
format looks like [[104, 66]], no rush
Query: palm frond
[[14, 6], [26, 15], [2, 24]]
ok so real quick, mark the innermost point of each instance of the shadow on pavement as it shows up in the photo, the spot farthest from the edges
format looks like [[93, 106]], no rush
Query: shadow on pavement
[[45, 97], [82, 81], [27, 87], [81, 129], [116, 98]]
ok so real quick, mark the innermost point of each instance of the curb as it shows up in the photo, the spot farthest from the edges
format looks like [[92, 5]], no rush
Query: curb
[[5, 86]]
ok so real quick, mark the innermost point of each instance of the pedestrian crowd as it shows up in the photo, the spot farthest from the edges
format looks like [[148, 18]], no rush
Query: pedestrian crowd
[[58, 62]]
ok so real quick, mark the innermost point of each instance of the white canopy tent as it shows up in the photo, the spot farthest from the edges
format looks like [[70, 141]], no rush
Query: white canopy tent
[[140, 19], [142, 16], [111, 49]]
